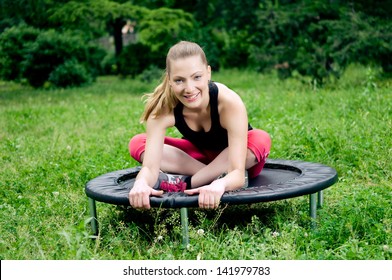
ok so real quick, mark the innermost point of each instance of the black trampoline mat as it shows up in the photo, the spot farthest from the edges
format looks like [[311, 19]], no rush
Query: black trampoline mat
[[280, 179], [270, 176]]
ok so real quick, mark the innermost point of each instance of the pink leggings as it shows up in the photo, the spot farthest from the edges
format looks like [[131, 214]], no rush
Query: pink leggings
[[259, 142]]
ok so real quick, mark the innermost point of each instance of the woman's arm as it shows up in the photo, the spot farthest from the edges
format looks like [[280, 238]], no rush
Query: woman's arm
[[139, 196], [234, 119]]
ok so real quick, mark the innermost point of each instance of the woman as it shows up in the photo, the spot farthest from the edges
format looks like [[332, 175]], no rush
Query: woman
[[217, 138]]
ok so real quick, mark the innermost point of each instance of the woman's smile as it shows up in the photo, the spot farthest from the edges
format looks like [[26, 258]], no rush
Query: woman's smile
[[192, 97]]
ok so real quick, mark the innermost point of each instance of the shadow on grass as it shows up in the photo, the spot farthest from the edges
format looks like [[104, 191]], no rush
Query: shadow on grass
[[229, 217]]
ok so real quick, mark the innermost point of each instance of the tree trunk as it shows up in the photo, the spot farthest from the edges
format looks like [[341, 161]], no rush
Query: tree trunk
[[117, 34]]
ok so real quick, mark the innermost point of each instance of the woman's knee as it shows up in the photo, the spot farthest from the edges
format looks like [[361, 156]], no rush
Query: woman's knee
[[259, 145], [137, 145], [259, 142]]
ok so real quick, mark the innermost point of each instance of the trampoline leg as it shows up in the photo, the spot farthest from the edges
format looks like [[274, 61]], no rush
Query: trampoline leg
[[313, 209], [184, 226], [93, 214], [320, 199]]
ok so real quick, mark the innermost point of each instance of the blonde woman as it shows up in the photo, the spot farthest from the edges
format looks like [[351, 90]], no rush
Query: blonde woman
[[217, 138]]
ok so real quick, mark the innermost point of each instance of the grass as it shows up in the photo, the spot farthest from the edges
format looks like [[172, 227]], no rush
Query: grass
[[53, 141]]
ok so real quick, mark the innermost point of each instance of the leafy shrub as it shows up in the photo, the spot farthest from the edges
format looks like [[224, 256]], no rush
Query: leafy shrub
[[94, 58], [31, 54], [14, 45], [163, 27], [135, 58], [70, 74], [212, 42], [315, 39], [52, 49], [152, 73], [357, 37], [109, 64]]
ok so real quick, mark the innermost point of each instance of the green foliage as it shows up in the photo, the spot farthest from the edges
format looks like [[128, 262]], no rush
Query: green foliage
[[137, 57], [50, 50], [39, 53], [109, 64], [33, 13], [94, 17], [158, 31], [317, 39], [361, 38], [212, 42], [163, 27], [302, 38], [151, 74], [14, 46], [69, 74]]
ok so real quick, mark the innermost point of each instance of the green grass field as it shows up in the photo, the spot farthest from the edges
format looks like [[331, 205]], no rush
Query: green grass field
[[53, 141]]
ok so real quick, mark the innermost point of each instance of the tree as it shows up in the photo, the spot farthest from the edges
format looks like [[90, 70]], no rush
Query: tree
[[94, 17], [163, 27], [33, 13]]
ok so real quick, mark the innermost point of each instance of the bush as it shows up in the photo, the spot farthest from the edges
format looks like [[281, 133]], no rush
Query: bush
[[52, 49], [94, 58], [318, 39], [151, 74], [70, 74], [14, 45], [357, 37], [32, 54], [163, 27], [109, 64], [135, 58]]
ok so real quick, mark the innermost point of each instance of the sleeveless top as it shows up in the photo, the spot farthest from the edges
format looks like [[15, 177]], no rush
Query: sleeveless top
[[216, 138]]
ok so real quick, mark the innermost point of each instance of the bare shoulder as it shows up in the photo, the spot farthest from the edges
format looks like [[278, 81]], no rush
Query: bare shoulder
[[231, 108], [163, 121], [228, 97]]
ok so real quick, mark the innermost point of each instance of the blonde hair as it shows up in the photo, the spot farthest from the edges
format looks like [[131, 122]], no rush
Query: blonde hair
[[163, 100]]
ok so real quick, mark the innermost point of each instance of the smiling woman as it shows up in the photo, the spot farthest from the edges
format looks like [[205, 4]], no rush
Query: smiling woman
[[217, 138]]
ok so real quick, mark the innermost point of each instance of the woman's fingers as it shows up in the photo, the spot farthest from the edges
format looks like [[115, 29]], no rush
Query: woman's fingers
[[140, 198]]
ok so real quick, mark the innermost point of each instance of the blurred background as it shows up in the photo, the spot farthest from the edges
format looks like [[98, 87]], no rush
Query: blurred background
[[62, 43]]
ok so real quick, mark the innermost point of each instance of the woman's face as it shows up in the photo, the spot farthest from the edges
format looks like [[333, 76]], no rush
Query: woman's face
[[188, 79]]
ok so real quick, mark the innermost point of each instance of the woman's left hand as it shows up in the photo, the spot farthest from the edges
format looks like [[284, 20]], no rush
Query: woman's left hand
[[209, 195]]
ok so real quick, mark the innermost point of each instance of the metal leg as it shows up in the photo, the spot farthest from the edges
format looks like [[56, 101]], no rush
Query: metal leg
[[93, 213], [320, 199], [184, 227], [313, 209]]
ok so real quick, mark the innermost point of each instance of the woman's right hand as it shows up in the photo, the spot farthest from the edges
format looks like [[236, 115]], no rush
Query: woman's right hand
[[139, 196]]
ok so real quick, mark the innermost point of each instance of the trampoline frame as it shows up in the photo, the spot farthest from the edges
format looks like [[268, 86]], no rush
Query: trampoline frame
[[313, 178]]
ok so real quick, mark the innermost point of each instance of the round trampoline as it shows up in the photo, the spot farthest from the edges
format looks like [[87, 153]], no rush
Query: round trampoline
[[279, 179]]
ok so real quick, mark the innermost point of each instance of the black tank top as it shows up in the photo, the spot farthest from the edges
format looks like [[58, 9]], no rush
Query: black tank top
[[216, 138]]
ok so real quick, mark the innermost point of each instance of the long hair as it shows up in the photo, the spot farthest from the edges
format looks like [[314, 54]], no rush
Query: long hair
[[163, 100]]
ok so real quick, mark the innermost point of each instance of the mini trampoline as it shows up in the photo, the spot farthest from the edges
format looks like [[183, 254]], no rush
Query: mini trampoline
[[279, 179]]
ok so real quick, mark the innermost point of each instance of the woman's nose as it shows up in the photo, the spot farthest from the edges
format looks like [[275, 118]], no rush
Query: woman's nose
[[189, 87]]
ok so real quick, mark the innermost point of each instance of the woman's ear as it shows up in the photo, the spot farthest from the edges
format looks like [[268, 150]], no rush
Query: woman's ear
[[209, 72]]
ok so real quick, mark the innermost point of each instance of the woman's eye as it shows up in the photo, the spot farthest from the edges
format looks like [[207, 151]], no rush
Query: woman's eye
[[177, 81], [197, 77]]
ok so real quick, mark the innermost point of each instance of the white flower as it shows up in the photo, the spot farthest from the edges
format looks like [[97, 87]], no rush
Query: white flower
[[160, 237], [200, 231], [55, 193], [275, 234]]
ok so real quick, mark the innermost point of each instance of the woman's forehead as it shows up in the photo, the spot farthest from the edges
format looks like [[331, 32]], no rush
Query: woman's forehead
[[187, 66]]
